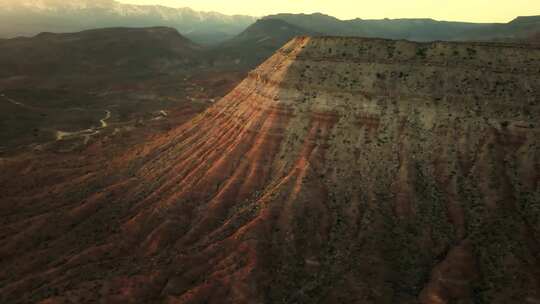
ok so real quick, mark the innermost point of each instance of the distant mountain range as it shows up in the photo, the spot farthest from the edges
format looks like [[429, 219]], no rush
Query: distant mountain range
[[413, 29], [410, 29], [234, 41], [30, 17], [265, 36]]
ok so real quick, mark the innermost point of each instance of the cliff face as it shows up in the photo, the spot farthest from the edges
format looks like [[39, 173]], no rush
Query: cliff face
[[342, 170]]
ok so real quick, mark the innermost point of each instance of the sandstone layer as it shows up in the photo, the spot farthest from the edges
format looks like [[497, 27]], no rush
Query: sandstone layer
[[341, 170]]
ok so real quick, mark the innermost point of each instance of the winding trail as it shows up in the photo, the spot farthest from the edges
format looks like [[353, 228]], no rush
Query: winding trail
[[104, 120], [86, 133], [62, 135]]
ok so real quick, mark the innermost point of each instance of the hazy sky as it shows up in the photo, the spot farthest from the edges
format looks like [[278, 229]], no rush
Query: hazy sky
[[459, 10]]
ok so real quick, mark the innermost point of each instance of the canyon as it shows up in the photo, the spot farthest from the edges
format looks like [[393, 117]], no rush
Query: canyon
[[341, 170]]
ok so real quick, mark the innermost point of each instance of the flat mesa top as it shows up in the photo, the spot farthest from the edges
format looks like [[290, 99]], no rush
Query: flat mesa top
[[512, 58], [356, 39]]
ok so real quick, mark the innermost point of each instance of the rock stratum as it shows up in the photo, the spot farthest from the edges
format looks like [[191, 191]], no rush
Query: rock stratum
[[341, 170]]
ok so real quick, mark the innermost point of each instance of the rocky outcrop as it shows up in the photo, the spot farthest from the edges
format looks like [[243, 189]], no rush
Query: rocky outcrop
[[342, 170]]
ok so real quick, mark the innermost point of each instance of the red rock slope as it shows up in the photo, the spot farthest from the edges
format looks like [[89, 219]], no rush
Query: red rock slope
[[342, 170]]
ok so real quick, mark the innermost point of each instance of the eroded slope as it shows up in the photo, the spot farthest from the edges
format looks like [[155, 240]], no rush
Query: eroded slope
[[342, 170]]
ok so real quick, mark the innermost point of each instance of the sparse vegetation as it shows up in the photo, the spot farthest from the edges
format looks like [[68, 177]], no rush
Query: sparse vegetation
[[353, 179]]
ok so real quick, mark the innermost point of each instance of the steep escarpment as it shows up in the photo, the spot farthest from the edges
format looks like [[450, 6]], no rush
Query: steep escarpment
[[342, 170]]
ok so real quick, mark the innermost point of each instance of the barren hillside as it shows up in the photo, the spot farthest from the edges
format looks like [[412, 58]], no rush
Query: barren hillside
[[341, 170]]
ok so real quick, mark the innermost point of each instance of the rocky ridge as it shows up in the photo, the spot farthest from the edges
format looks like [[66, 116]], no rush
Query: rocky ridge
[[341, 170]]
